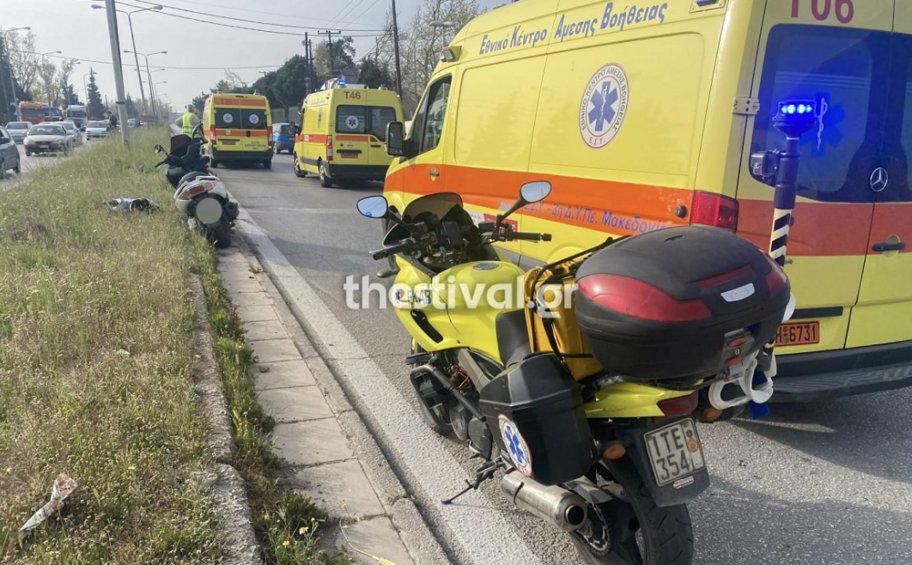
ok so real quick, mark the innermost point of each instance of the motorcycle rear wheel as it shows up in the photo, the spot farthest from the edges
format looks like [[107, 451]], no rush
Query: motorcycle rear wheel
[[635, 530]]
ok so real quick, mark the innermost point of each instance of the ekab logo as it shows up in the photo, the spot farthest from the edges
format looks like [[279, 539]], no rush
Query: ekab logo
[[603, 106]]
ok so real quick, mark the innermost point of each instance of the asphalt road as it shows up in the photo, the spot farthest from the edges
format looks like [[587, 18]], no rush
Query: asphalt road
[[822, 483]]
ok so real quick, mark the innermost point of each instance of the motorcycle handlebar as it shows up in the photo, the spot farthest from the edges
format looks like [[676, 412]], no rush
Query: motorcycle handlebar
[[404, 245], [524, 236]]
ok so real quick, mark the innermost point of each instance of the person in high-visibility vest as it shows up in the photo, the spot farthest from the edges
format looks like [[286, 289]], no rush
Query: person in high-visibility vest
[[188, 121]]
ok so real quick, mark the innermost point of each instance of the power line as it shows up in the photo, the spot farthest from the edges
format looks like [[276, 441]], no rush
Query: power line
[[244, 20], [347, 11], [246, 10], [272, 66]]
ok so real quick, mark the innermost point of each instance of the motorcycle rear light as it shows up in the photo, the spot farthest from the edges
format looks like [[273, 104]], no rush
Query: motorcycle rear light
[[712, 209], [329, 148], [680, 406], [639, 299], [776, 278]]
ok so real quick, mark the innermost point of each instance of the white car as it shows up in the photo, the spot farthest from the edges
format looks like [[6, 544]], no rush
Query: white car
[[48, 137], [96, 129], [18, 130]]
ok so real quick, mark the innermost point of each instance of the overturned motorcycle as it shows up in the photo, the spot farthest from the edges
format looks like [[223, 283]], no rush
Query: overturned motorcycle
[[200, 195]]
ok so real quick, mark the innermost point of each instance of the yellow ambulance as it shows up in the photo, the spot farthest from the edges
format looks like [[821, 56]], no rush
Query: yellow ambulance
[[645, 114], [238, 128], [343, 130]]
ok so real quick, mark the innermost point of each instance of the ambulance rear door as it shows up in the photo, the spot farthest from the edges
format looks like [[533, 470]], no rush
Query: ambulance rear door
[[837, 52], [884, 311]]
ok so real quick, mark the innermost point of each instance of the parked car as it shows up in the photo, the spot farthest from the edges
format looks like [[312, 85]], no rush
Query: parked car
[[72, 131], [18, 130], [283, 135], [47, 138], [96, 129], [134, 123], [9, 154]]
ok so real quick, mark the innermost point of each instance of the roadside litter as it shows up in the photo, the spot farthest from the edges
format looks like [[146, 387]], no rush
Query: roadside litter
[[62, 488], [124, 204]]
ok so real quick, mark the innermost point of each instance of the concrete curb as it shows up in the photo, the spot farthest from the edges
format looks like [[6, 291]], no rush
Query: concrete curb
[[225, 485], [398, 514]]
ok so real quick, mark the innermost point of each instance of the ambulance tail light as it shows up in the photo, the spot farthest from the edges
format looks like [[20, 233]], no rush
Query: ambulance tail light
[[712, 209], [329, 148]]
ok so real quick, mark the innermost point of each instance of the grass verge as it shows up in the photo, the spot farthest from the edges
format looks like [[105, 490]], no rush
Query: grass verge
[[95, 355]]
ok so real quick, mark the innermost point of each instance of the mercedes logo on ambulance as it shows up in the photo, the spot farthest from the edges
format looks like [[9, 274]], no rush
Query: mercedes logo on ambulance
[[879, 179]]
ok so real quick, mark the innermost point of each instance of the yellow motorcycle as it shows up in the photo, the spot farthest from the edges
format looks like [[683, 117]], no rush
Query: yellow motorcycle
[[582, 379]]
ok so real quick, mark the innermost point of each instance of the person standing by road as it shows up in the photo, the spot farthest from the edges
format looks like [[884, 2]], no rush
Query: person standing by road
[[188, 120]]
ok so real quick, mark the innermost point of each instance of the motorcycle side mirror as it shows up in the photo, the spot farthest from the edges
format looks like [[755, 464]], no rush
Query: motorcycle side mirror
[[535, 191], [159, 149], [530, 192], [373, 207]]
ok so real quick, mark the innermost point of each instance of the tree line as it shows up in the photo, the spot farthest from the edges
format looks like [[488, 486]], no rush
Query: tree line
[[421, 41]]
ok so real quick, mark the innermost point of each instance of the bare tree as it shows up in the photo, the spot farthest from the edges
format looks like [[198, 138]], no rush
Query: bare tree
[[47, 81], [420, 43], [24, 59], [65, 89]]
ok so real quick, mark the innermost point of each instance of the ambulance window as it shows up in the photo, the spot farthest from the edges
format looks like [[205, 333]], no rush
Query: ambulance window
[[380, 117], [427, 126], [905, 64], [227, 118], [253, 119], [351, 119], [845, 70]]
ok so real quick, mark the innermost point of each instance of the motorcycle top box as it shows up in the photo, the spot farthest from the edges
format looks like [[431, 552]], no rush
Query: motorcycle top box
[[679, 302]]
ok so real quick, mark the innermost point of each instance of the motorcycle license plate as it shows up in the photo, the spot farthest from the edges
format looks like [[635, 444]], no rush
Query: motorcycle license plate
[[674, 451]]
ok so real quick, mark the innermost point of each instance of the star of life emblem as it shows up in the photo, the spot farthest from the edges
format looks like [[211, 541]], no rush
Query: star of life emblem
[[603, 106]]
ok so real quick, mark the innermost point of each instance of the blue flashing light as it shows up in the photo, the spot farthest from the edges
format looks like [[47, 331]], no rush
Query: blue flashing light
[[802, 108]]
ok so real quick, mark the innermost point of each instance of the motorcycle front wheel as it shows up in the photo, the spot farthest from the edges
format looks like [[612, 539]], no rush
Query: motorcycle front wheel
[[633, 529]]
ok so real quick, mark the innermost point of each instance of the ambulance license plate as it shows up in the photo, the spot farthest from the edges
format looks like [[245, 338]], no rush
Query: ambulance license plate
[[674, 451], [798, 333]]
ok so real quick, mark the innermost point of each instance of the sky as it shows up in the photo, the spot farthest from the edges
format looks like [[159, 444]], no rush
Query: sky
[[80, 32]]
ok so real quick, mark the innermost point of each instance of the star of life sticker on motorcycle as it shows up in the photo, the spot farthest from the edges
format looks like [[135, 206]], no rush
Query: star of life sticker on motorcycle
[[603, 106], [516, 446]]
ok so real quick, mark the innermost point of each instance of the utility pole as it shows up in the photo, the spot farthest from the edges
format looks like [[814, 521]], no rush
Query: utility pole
[[307, 63], [329, 36], [118, 70], [396, 51]]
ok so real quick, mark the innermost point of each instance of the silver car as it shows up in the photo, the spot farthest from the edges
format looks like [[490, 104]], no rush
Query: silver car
[[9, 154], [48, 137], [18, 130]]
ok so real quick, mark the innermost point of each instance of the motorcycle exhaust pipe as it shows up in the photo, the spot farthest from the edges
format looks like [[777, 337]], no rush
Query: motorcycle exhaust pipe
[[554, 504]]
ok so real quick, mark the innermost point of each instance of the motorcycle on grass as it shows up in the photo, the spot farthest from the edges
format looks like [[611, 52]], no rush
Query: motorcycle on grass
[[585, 391], [200, 195]]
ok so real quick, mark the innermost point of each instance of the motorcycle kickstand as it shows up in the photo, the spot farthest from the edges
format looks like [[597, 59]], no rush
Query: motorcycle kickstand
[[481, 475]]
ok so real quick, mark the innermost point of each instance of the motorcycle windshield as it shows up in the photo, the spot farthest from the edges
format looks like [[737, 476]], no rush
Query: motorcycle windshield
[[439, 204]]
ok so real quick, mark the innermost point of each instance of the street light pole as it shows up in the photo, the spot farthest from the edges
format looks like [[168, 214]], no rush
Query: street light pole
[[396, 51], [142, 92], [148, 74], [48, 86]]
